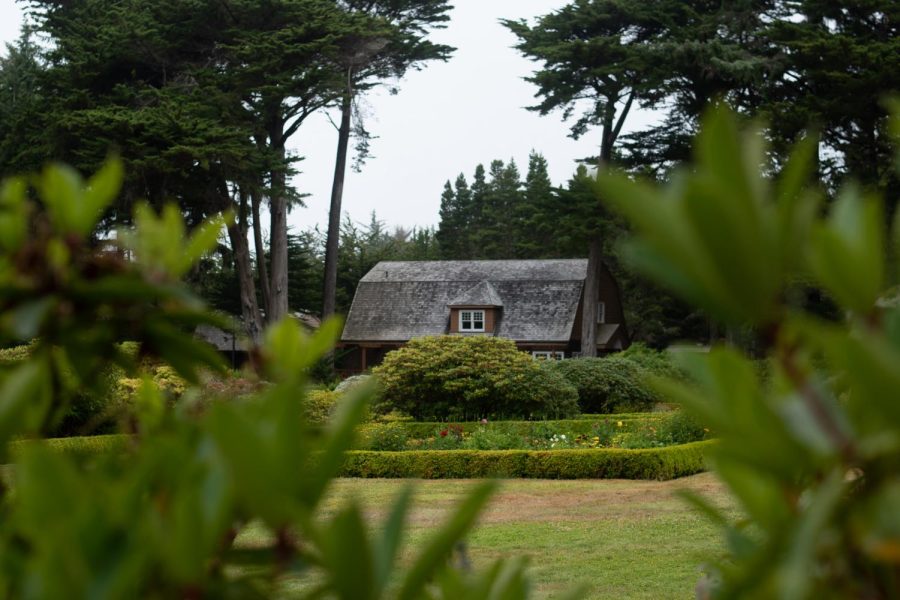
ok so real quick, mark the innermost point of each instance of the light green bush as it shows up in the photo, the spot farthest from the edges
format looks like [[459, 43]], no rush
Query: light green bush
[[466, 378], [320, 404]]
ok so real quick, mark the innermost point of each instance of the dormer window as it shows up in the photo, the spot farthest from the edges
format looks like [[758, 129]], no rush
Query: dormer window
[[471, 320]]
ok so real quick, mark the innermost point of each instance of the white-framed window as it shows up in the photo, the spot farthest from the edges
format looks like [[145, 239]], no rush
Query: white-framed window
[[548, 355], [601, 312], [471, 320]]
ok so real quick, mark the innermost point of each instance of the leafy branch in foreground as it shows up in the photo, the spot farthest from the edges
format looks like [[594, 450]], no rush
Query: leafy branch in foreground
[[161, 519], [811, 452]]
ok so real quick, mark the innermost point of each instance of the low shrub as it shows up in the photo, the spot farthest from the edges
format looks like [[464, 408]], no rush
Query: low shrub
[[607, 385], [319, 405], [484, 438], [604, 463], [654, 362], [383, 437], [681, 428], [448, 437], [81, 447], [352, 382], [468, 378]]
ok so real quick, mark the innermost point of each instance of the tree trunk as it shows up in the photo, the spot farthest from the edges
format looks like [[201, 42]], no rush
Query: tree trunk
[[591, 299], [237, 232], [261, 267], [278, 292], [334, 214], [612, 127]]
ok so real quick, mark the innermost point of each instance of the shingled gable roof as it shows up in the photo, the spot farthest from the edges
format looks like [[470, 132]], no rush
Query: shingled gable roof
[[481, 294], [398, 301]]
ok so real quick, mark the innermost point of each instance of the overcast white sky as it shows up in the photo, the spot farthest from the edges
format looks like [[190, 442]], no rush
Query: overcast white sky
[[445, 120]]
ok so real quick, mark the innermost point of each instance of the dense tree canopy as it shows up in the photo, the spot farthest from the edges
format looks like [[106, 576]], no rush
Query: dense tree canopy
[[200, 98]]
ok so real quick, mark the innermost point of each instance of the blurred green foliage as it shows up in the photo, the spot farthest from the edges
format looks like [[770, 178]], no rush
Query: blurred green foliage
[[157, 519], [811, 452]]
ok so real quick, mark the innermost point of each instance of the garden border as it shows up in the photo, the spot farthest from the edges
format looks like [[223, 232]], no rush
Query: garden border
[[662, 464]]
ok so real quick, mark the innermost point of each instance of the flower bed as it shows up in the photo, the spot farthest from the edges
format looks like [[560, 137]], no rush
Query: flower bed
[[642, 430]]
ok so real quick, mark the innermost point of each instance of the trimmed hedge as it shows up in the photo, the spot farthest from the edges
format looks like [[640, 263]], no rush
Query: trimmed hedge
[[597, 463], [601, 463], [81, 447]]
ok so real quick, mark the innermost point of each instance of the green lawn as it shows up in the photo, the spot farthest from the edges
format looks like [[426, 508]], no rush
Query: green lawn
[[624, 539]]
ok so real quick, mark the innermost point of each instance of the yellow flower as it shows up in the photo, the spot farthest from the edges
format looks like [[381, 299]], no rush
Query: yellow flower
[[619, 424]]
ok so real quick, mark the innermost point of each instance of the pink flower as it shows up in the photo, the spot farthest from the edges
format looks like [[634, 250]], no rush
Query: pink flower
[[484, 421]]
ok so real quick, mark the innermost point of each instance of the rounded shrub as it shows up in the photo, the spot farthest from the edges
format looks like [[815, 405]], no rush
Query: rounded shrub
[[654, 362], [319, 405], [607, 385], [445, 378], [387, 437]]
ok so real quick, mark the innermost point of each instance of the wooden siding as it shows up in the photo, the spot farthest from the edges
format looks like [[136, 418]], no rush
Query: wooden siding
[[490, 318]]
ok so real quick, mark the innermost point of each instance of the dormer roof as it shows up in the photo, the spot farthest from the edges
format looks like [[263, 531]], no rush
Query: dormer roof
[[480, 294]]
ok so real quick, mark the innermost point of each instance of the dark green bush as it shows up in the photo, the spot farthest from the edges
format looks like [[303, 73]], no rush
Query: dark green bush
[[654, 362], [607, 385], [656, 463], [466, 378]]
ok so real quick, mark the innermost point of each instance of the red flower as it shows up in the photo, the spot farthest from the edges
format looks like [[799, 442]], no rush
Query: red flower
[[443, 433]]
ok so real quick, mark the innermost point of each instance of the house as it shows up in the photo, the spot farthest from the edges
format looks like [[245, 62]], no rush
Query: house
[[234, 345], [535, 303]]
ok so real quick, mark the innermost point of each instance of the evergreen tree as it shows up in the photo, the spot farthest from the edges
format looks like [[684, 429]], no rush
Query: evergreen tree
[[498, 235], [393, 41], [304, 271], [705, 52], [449, 228], [23, 145], [475, 220], [464, 222], [536, 236], [839, 60], [597, 57]]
